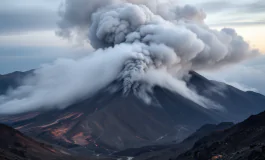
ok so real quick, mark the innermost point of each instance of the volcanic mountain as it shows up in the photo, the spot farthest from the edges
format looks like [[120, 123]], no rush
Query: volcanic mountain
[[111, 121]]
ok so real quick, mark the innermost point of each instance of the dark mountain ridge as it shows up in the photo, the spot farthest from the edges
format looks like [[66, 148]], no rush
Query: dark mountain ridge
[[245, 140], [12, 80]]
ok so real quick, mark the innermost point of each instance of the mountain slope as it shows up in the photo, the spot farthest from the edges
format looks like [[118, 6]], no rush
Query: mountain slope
[[14, 145], [12, 80], [111, 121], [171, 151], [245, 140], [238, 104]]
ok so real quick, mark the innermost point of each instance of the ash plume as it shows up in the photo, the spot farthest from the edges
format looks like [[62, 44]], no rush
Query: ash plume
[[139, 42]]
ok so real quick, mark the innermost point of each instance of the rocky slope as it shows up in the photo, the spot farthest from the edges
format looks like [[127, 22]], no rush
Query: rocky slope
[[245, 140], [14, 145], [171, 151]]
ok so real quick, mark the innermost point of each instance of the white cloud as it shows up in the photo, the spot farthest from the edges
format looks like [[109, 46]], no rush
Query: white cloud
[[39, 38], [246, 76]]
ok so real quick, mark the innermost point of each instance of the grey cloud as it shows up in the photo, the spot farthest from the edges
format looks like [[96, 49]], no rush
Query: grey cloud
[[236, 14], [19, 58], [248, 76], [13, 21], [216, 6], [244, 23], [27, 15], [257, 6]]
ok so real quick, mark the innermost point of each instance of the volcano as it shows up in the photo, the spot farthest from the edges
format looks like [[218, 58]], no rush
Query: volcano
[[110, 121]]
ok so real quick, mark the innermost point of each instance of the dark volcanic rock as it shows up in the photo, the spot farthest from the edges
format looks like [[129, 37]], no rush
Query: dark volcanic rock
[[245, 140], [171, 151]]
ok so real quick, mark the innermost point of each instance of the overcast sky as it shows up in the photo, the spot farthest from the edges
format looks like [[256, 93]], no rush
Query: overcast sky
[[27, 36]]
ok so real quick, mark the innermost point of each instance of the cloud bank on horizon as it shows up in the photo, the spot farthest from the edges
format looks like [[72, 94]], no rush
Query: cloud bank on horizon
[[141, 42]]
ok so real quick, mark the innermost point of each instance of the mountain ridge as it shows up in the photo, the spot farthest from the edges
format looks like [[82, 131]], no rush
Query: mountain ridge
[[244, 140]]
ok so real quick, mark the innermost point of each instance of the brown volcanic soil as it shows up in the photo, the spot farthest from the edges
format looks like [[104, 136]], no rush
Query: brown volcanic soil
[[110, 122], [14, 145]]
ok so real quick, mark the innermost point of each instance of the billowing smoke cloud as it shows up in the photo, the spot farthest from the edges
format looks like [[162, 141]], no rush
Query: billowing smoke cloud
[[62, 83], [76, 14], [138, 42]]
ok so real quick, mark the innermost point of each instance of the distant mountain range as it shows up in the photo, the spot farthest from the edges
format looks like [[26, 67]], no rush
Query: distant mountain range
[[12, 80], [110, 122]]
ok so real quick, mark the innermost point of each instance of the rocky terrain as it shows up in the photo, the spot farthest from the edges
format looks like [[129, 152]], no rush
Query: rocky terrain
[[14, 145], [171, 151], [245, 140]]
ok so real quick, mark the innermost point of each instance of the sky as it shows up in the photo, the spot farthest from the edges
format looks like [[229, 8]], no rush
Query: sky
[[28, 39]]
